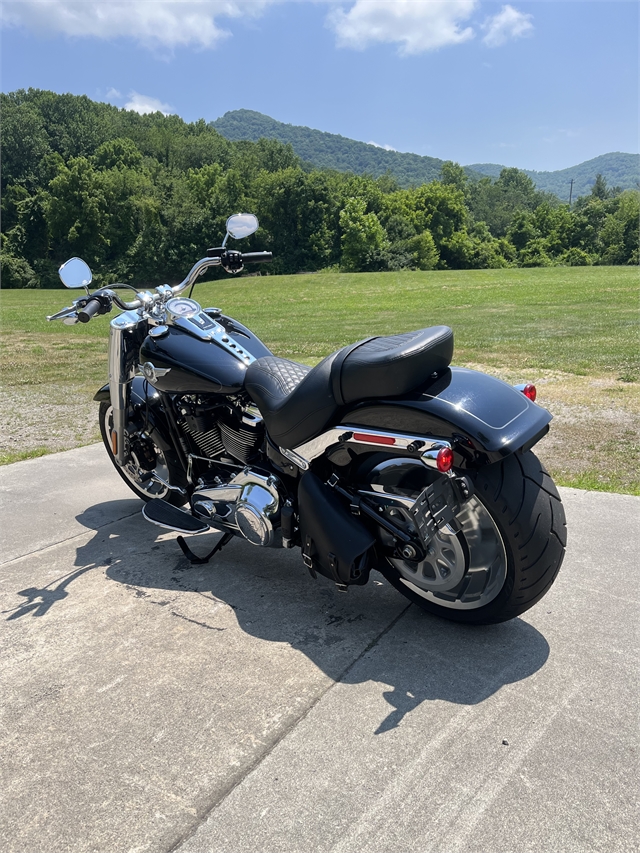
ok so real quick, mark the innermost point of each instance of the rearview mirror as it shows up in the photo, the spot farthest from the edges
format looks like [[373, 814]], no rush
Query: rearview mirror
[[241, 225], [75, 273]]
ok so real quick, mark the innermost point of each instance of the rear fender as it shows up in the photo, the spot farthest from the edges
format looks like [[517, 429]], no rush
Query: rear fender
[[483, 418], [148, 401]]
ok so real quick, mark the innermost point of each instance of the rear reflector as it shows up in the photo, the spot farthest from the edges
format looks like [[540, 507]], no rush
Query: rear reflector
[[373, 439]]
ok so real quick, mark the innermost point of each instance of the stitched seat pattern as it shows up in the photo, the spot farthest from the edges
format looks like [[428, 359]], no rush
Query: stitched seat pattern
[[288, 374]]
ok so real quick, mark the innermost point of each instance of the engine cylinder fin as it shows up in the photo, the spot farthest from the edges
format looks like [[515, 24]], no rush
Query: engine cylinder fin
[[209, 443], [241, 442]]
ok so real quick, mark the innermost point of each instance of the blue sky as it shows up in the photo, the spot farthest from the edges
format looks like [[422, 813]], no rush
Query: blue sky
[[539, 85]]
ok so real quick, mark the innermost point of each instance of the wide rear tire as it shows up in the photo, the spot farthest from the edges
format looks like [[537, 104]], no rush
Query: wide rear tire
[[519, 511]]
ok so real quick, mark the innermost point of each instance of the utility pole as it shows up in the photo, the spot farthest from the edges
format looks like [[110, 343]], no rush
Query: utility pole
[[570, 192]]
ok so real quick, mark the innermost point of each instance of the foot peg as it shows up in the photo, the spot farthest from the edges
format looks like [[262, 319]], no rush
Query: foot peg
[[165, 515], [170, 517]]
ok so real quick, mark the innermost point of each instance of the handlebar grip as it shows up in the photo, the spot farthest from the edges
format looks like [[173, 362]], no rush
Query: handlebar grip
[[257, 257], [92, 307]]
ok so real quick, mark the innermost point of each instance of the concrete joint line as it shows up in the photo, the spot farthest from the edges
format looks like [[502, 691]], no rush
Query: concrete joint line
[[278, 740]]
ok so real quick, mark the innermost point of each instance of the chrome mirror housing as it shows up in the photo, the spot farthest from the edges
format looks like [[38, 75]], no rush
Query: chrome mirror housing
[[75, 273], [242, 225]]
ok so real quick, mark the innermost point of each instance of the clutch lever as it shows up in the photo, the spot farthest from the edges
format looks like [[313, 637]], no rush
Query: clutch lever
[[65, 314]]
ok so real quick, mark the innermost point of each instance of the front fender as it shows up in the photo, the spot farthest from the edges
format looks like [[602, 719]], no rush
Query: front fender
[[144, 394], [484, 418]]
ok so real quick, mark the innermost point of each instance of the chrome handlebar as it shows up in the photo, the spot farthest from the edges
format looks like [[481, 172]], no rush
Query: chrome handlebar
[[163, 293], [145, 299]]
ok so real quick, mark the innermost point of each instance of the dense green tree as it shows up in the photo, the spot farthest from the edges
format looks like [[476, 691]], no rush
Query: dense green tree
[[599, 189], [25, 143], [452, 174], [362, 235]]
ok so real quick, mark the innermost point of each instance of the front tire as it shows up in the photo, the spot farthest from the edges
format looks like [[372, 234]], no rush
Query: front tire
[[139, 479], [507, 554]]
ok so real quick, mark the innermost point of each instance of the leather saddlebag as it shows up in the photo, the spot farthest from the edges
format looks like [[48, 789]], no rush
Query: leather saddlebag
[[334, 543]]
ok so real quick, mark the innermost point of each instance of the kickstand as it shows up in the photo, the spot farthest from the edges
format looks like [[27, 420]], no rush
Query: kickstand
[[193, 558]]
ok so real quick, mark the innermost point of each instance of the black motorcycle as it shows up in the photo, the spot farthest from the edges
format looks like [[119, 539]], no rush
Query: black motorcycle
[[383, 456]]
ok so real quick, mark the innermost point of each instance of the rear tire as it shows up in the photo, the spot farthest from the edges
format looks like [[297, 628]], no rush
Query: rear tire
[[527, 539], [137, 478]]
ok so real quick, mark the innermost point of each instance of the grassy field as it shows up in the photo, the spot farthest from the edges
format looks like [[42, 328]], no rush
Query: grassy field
[[574, 331]]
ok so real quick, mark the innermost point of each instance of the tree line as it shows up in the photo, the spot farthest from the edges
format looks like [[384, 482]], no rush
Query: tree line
[[142, 197]]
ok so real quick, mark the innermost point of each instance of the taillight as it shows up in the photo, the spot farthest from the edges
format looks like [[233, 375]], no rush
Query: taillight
[[444, 460], [528, 390]]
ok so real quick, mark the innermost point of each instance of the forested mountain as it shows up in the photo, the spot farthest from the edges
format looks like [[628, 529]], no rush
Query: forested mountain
[[140, 198], [618, 169], [330, 150]]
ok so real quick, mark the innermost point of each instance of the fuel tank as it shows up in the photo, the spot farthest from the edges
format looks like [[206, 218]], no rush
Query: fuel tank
[[195, 365]]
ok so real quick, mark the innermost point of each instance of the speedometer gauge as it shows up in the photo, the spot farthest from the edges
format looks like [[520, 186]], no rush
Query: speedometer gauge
[[182, 307]]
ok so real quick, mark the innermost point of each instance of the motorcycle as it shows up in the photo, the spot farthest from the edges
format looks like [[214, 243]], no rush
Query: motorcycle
[[382, 457]]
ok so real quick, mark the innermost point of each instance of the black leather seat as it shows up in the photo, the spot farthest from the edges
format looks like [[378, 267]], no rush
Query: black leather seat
[[298, 402]]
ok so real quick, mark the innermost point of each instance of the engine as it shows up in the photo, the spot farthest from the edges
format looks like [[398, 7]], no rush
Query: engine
[[249, 504], [218, 430]]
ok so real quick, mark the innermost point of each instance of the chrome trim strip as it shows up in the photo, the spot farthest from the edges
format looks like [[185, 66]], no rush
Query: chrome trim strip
[[428, 446], [294, 457]]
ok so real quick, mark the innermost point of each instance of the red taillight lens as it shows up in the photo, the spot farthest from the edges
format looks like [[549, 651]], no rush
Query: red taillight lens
[[444, 460], [530, 392]]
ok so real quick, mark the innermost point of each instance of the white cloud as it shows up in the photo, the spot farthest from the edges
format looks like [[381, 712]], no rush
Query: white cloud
[[508, 24], [417, 25], [170, 23], [113, 94], [386, 147], [144, 104]]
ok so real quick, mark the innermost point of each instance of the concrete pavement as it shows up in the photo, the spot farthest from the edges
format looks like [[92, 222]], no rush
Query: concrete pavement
[[148, 705]]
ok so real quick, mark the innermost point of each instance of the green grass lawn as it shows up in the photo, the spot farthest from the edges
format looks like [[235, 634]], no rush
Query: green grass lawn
[[580, 321], [577, 319]]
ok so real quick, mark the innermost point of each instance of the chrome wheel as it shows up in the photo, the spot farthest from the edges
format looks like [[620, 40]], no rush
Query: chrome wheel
[[464, 570], [137, 476]]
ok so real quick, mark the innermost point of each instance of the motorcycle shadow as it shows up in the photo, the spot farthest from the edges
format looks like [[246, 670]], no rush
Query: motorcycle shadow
[[415, 657]]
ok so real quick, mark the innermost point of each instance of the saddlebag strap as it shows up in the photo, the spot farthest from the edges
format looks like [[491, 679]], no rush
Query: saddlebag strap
[[307, 555], [336, 368], [308, 552]]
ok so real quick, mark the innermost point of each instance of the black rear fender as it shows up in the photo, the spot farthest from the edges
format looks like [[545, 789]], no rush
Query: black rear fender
[[483, 418]]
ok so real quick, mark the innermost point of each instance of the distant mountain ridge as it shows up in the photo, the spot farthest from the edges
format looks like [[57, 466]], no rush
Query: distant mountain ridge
[[332, 151], [618, 169]]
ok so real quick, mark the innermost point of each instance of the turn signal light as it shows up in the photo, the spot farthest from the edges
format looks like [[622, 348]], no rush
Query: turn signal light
[[444, 460]]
